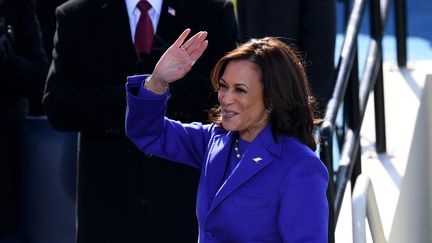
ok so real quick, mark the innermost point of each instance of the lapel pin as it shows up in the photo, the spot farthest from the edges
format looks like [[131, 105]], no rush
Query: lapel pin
[[171, 11], [257, 160]]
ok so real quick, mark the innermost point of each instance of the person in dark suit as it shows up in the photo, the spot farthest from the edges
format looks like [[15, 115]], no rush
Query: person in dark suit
[[23, 68], [260, 178], [46, 15], [124, 195], [308, 25], [23, 63]]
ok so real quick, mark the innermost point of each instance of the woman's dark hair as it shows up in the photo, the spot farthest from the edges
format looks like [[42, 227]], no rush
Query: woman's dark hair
[[285, 87]]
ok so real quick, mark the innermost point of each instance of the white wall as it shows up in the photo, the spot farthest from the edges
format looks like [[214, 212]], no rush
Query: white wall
[[412, 222]]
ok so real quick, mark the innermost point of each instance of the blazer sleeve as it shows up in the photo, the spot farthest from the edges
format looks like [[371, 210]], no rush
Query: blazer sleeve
[[152, 132], [304, 209]]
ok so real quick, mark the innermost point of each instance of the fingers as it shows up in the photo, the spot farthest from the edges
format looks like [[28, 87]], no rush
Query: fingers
[[198, 46], [190, 42], [194, 47], [194, 41], [181, 38], [198, 51]]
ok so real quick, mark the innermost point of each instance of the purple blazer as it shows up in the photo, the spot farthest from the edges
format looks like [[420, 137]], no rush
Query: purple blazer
[[276, 194]]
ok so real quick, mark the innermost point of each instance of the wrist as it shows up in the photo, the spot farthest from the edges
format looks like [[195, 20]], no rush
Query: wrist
[[155, 86]]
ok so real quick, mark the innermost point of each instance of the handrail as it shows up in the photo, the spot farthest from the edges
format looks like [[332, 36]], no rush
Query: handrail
[[372, 78], [344, 67], [351, 145], [365, 206], [353, 94]]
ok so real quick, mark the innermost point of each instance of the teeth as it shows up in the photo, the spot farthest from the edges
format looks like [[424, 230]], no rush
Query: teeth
[[229, 113]]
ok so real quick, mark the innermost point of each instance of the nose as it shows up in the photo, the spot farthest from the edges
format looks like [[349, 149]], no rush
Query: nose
[[225, 98]]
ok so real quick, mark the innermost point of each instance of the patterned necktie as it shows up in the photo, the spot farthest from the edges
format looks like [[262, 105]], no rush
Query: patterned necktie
[[144, 29]]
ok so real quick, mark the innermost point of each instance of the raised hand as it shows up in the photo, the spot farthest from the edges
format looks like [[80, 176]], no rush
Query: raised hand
[[178, 60]]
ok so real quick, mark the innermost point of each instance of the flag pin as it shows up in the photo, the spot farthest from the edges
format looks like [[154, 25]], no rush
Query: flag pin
[[171, 11], [257, 160]]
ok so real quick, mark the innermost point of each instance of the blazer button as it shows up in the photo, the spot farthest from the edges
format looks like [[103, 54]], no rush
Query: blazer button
[[208, 235], [143, 202], [148, 155]]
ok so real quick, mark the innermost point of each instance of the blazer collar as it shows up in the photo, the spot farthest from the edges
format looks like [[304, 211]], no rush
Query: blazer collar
[[266, 139], [261, 152]]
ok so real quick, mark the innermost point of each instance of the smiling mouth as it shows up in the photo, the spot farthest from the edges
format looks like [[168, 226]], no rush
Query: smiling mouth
[[228, 113]]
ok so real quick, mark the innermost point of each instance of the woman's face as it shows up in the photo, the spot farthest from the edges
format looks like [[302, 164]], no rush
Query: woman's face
[[241, 99]]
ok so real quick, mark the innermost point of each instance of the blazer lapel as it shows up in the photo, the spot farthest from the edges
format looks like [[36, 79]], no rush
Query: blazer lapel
[[259, 154], [217, 163]]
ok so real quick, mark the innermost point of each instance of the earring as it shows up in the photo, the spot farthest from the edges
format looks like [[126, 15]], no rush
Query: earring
[[268, 110]]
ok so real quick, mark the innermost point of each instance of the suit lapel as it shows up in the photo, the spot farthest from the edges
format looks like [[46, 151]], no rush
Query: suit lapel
[[172, 20], [115, 24], [165, 19], [261, 152]]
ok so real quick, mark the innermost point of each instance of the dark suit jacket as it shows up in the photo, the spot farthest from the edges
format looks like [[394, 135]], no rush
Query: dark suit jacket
[[123, 195], [46, 14], [309, 25], [24, 72], [22, 76]]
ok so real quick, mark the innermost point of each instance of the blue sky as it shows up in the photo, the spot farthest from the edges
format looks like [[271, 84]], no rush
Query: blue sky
[[419, 30]]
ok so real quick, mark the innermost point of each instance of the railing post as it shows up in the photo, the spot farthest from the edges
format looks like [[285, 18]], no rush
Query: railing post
[[401, 33], [376, 33], [381, 144], [352, 111], [326, 156]]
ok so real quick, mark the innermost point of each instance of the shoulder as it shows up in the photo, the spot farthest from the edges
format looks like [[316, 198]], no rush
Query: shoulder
[[291, 142], [216, 129], [300, 156], [213, 129], [71, 5], [78, 6], [208, 7], [217, 133], [302, 172], [208, 4]]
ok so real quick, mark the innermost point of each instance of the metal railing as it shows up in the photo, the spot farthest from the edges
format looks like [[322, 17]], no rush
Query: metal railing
[[365, 206], [351, 96]]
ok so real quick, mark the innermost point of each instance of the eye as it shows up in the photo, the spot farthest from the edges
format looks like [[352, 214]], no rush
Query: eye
[[240, 90], [222, 86]]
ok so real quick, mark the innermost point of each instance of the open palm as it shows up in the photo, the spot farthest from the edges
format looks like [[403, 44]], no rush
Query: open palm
[[178, 60]]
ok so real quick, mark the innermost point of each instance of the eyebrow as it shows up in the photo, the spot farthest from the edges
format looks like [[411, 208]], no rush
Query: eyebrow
[[221, 79]]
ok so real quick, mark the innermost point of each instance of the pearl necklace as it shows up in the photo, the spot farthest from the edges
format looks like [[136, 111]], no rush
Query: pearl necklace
[[237, 149]]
